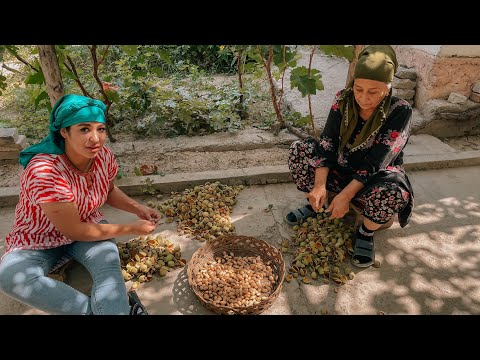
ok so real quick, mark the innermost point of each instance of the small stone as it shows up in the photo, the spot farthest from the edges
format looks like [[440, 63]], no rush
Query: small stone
[[475, 97], [456, 98]]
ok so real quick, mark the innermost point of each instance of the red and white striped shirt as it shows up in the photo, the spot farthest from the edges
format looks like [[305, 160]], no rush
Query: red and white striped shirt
[[51, 178]]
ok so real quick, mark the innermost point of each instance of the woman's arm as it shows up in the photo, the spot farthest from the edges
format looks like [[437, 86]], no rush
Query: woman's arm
[[326, 151], [325, 156], [317, 196], [341, 203], [66, 219], [118, 199]]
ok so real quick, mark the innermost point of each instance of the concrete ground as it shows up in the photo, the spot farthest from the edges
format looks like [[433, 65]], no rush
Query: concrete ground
[[429, 267], [432, 266]]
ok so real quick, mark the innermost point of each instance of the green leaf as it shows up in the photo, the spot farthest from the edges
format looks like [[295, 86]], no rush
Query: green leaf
[[139, 73], [135, 87], [278, 56], [69, 75], [43, 95], [157, 71], [165, 56], [299, 79], [300, 71], [304, 120], [35, 78], [12, 49], [249, 67], [131, 50], [319, 85], [112, 95], [161, 121], [345, 51]]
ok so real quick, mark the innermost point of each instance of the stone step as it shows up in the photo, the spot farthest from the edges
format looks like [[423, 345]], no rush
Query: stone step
[[8, 136], [20, 144]]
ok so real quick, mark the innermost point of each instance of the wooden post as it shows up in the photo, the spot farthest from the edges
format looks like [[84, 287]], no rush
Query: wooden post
[[51, 72]]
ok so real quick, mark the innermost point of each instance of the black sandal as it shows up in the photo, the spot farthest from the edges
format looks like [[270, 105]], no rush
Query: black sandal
[[296, 216], [136, 305], [363, 253]]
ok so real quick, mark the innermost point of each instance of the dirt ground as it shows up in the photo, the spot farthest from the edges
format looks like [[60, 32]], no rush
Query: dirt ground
[[152, 152], [464, 143]]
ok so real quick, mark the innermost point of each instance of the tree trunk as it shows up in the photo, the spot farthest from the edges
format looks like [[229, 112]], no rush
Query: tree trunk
[[51, 72], [357, 49]]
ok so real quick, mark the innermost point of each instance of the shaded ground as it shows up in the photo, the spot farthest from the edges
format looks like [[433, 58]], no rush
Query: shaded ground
[[429, 267]]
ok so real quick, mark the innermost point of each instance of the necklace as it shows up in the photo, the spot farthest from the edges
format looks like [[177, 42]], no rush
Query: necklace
[[86, 167]]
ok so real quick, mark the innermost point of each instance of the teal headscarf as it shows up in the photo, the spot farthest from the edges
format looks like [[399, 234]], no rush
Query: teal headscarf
[[69, 110]]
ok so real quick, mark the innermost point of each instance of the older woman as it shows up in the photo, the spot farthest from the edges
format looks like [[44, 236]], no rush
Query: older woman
[[67, 178], [359, 155]]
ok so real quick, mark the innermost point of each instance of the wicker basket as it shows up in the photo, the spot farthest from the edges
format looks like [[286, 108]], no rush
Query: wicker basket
[[240, 246]]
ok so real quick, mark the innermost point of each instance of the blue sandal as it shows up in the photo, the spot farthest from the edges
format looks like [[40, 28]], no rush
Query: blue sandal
[[363, 249], [296, 216]]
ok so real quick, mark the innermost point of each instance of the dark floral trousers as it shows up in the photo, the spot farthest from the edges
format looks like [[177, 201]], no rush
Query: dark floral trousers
[[379, 201]]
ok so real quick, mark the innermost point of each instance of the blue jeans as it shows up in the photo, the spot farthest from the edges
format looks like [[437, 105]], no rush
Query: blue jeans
[[23, 276]]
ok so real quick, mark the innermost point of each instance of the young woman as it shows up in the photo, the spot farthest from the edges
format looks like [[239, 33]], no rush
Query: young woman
[[359, 155], [66, 179]]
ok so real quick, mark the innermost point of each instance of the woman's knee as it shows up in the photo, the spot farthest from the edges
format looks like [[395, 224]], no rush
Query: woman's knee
[[383, 202], [301, 146], [99, 252], [14, 271]]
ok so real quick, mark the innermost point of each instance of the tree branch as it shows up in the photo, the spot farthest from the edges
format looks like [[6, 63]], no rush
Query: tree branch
[[106, 101], [309, 96], [297, 132], [10, 69], [267, 65], [72, 68], [19, 58], [93, 51], [104, 54], [283, 76]]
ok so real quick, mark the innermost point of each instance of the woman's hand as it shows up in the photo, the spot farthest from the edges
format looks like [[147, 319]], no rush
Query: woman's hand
[[143, 227], [339, 206], [147, 213], [317, 197]]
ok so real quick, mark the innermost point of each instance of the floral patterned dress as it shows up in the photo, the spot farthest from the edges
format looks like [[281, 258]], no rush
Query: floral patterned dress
[[377, 163]]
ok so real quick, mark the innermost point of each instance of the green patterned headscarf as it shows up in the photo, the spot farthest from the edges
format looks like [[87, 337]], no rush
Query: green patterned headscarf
[[375, 62], [69, 110]]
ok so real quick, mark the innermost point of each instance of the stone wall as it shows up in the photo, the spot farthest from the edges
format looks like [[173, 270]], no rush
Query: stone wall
[[447, 94], [439, 71], [404, 84], [11, 143]]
